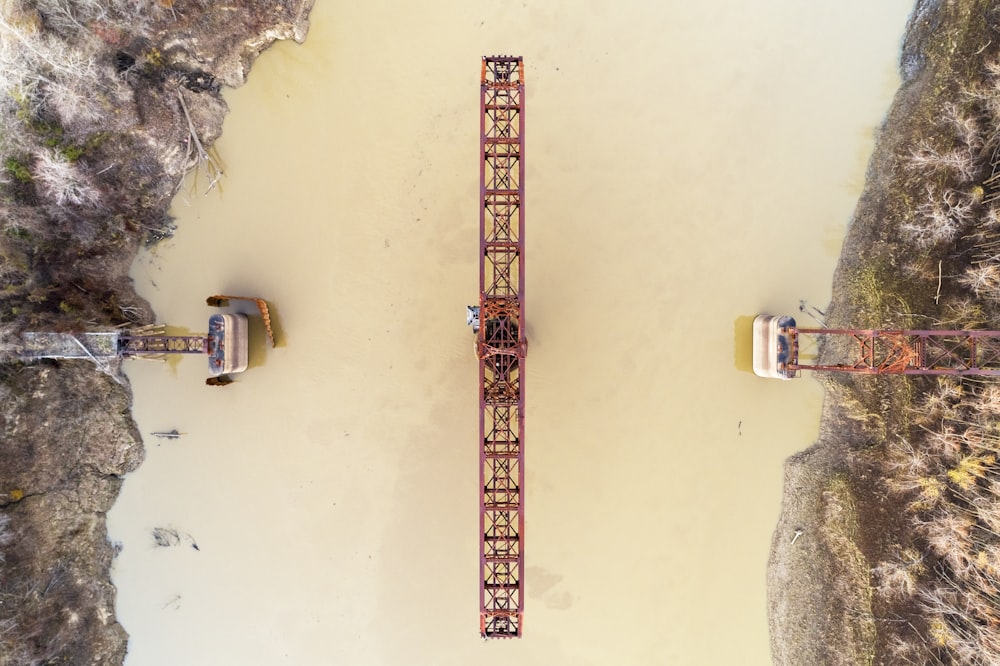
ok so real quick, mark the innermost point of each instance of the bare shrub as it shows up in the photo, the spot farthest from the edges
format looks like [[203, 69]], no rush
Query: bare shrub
[[965, 125], [944, 467], [992, 68], [73, 105], [962, 313], [898, 577], [960, 531], [957, 206], [939, 404], [906, 460], [960, 162], [941, 219], [949, 535], [987, 512], [6, 536], [61, 181], [983, 278], [40, 70], [987, 93], [990, 220], [905, 652], [45, 52], [70, 17], [987, 401], [944, 444]]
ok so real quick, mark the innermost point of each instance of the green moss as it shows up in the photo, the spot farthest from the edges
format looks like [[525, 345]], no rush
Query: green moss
[[18, 169], [153, 60], [52, 134], [18, 233], [73, 153]]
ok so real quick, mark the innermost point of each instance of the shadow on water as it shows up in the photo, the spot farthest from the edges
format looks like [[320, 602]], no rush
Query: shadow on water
[[743, 343], [259, 344], [173, 361]]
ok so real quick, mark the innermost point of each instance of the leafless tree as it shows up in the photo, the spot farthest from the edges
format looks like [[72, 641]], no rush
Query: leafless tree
[[61, 181]]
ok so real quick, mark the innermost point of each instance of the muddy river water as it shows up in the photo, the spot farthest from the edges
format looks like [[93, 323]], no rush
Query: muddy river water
[[688, 166]]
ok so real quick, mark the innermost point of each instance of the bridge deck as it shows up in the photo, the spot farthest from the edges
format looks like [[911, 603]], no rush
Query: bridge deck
[[69, 345]]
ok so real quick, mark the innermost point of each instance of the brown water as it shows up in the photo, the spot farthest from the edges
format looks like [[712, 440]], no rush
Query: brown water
[[689, 165]]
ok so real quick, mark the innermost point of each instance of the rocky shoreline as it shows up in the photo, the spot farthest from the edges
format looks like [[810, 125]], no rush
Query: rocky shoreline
[[110, 111]]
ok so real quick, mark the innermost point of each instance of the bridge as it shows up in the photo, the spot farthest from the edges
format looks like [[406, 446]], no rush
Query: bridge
[[226, 344], [501, 347], [778, 341]]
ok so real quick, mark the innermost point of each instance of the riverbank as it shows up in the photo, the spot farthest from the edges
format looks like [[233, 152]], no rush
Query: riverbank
[[104, 111], [863, 568], [61, 303]]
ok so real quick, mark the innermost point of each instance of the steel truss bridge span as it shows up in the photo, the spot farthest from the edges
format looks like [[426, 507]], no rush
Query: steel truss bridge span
[[501, 347], [777, 342]]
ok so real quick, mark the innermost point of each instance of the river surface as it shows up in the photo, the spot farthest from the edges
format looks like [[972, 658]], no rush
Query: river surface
[[688, 166]]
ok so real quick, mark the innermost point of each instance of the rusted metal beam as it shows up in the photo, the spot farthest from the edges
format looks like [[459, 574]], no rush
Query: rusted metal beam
[[501, 347], [162, 344], [885, 351]]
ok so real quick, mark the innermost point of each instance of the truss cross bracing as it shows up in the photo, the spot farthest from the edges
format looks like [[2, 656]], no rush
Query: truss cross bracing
[[777, 343], [501, 347], [911, 352], [162, 344]]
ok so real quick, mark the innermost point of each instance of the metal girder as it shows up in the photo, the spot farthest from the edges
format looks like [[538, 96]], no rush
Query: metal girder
[[162, 344], [501, 347], [908, 352]]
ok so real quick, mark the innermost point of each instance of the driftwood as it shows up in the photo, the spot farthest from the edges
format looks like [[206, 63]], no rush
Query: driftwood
[[167, 537], [197, 153]]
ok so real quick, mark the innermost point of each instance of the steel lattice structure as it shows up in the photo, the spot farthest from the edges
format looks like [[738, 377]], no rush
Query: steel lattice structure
[[501, 347], [876, 352], [911, 352], [136, 345]]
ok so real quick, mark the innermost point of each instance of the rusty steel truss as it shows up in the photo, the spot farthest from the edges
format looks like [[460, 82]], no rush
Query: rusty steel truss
[[899, 352], [139, 345], [501, 347]]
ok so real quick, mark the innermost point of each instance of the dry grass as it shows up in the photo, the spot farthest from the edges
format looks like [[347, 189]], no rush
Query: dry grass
[[79, 185], [98, 99], [62, 181], [935, 568], [950, 476]]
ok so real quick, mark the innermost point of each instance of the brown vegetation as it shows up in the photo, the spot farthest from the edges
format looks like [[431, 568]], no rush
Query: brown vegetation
[[938, 572], [947, 475], [918, 459], [62, 464], [105, 105]]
